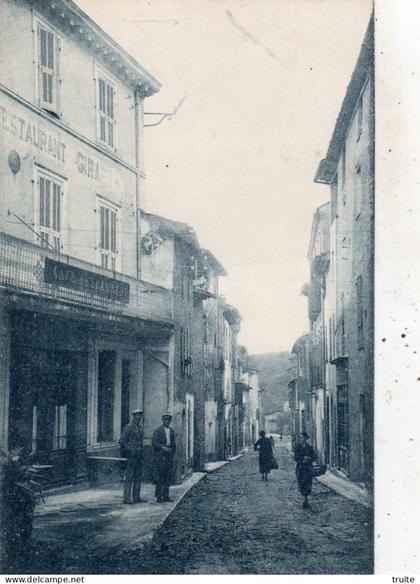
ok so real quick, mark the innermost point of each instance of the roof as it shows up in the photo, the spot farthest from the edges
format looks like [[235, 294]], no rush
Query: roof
[[232, 314], [364, 65], [167, 226], [299, 342], [214, 262], [75, 22]]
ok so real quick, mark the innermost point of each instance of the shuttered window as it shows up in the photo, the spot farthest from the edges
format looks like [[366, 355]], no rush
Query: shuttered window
[[106, 109], [108, 236], [60, 428], [186, 352], [50, 193], [48, 69]]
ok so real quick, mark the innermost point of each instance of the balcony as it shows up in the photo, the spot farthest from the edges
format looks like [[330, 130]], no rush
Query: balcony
[[201, 288], [26, 267]]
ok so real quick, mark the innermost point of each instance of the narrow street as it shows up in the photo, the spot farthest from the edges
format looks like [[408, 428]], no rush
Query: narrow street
[[234, 523]]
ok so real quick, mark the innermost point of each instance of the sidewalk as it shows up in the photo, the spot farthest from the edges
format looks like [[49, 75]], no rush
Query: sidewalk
[[88, 519], [213, 466], [346, 488]]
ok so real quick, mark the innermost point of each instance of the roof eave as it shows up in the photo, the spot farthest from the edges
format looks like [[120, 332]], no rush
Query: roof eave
[[364, 65], [124, 66]]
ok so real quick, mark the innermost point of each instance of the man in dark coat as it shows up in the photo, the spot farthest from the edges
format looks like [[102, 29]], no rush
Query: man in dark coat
[[304, 457], [131, 443], [163, 444]]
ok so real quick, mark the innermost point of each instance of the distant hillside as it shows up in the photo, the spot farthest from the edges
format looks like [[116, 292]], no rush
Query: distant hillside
[[273, 377]]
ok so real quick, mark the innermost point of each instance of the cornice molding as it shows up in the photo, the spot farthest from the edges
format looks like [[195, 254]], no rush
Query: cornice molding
[[73, 22]]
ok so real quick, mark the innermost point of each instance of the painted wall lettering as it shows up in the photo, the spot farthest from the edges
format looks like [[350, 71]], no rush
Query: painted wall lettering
[[32, 134]]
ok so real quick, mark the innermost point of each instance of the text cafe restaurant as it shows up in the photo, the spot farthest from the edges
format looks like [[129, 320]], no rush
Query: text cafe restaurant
[[73, 334]]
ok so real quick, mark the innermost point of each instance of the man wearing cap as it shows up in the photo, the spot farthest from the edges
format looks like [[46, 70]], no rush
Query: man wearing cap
[[163, 444], [131, 443]]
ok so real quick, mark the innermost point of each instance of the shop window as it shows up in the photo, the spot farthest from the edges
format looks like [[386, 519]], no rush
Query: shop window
[[50, 211], [108, 235], [106, 112], [106, 396], [60, 428], [48, 69]]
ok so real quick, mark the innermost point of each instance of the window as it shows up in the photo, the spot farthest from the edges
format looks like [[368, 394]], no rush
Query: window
[[60, 428], [360, 118], [50, 193], [186, 286], [359, 308], [205, 329], [34, 428], [106, 111], [48, 69], [186, 352], [108, 235], [343, 170], [106, 396]]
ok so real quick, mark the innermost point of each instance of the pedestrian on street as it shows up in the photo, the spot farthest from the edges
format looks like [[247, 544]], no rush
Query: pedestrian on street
[[265, 450], [304, 457], [164, 447], [131, 443]]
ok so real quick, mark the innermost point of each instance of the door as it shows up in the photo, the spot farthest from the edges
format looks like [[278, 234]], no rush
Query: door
[[327, 429], [125, 392], [42, 402], [343, 427]]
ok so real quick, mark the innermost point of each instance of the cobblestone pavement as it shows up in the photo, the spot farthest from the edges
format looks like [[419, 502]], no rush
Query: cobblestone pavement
[[234, 523]]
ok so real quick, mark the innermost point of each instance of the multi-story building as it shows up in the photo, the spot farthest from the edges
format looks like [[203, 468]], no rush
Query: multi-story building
[[213, 371], [230, 421], [319, 259], [349, 170], [171, 257], [252, 403], [76, 319], [300, 394]]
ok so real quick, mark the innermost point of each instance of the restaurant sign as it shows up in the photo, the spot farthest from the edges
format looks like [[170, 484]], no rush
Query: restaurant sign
[[81, 280]]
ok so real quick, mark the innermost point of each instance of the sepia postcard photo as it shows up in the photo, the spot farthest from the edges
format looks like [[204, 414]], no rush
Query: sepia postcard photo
[[193, 372]]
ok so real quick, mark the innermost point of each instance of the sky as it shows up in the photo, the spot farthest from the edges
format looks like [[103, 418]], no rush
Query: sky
[[263, 82]]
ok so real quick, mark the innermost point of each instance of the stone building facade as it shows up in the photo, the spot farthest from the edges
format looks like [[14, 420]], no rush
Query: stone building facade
[[76, 319], [349, 170]]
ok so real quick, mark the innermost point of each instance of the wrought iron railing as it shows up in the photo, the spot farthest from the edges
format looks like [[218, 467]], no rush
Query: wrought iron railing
[[22, 268]]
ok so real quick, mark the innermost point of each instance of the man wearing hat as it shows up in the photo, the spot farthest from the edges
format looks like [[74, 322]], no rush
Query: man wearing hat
[[163, 444], [131, 443]]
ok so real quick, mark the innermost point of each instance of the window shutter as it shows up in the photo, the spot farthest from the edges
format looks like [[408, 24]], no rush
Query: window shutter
[[48, 57]]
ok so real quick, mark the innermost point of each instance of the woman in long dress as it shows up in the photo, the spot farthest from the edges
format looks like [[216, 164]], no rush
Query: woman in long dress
[[304, 457], [265, 450]]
